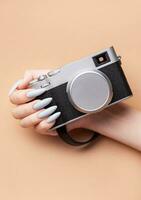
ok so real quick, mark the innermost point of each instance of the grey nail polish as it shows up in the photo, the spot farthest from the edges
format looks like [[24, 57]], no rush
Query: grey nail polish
[[53, 117], [47, 112], [35, 92], [42, 103], [15, 85]]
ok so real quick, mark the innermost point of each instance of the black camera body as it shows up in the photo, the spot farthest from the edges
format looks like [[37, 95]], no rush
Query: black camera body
[[85, 86]]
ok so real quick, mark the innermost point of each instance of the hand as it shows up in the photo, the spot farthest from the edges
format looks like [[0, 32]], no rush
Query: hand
[[32, 113], [119, 122]]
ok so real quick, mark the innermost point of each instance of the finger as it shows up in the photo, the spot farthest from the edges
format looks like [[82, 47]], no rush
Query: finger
[[24, 84], [43, 128], [14, 87], [37, 117], [29, 76], [27, 109], [23, 96]]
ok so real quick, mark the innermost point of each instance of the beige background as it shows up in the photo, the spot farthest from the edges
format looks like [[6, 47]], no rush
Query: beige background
[[49, 33]]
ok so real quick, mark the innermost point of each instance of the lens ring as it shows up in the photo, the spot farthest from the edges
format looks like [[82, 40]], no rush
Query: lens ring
[[90, 91]]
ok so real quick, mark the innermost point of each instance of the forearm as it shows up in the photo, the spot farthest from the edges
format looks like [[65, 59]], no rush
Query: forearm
[[120, 122]]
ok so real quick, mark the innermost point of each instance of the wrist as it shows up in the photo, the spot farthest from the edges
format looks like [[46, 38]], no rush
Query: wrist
[[119, 122]]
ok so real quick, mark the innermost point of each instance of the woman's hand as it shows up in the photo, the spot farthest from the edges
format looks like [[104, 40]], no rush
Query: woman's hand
[[119, 122], [30, 112]]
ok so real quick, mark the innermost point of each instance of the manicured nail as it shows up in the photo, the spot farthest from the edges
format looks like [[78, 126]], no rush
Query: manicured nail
[[47, 112], [53, 117], [35, 92], [42, 103], [13, 88]]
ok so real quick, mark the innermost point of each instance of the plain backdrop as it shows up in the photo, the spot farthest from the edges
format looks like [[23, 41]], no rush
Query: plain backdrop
[[47, 34]]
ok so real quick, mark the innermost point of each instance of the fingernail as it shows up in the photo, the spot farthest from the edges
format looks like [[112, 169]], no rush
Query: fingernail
[[42, 103], [53, 117], [13, 88], [35, 92], [47, 112]]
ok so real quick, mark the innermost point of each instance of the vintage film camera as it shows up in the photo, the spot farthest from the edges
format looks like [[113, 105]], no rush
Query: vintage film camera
[[86, 86]]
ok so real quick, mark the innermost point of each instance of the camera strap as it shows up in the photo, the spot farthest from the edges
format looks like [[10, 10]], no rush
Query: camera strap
[[66, 137]]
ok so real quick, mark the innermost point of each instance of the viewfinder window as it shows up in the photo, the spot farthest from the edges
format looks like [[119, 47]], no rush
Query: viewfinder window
[[101, 59]]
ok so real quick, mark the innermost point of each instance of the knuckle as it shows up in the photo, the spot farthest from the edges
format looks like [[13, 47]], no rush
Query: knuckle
[[46, 126], [26, 109], [12, 98], [33, 121], [23, 124], [29, 121], [14, 113], [16, 97], [43, 126]]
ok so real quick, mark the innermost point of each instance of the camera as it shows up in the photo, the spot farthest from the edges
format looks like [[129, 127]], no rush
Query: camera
[[85, 86]]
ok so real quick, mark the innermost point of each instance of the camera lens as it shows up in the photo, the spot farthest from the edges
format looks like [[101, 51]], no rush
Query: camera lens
[[90, 91]]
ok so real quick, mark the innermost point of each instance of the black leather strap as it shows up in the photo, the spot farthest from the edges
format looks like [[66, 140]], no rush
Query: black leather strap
[[64, 135]]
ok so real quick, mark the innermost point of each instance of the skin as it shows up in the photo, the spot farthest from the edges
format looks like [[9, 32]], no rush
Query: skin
[[119, 122]]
